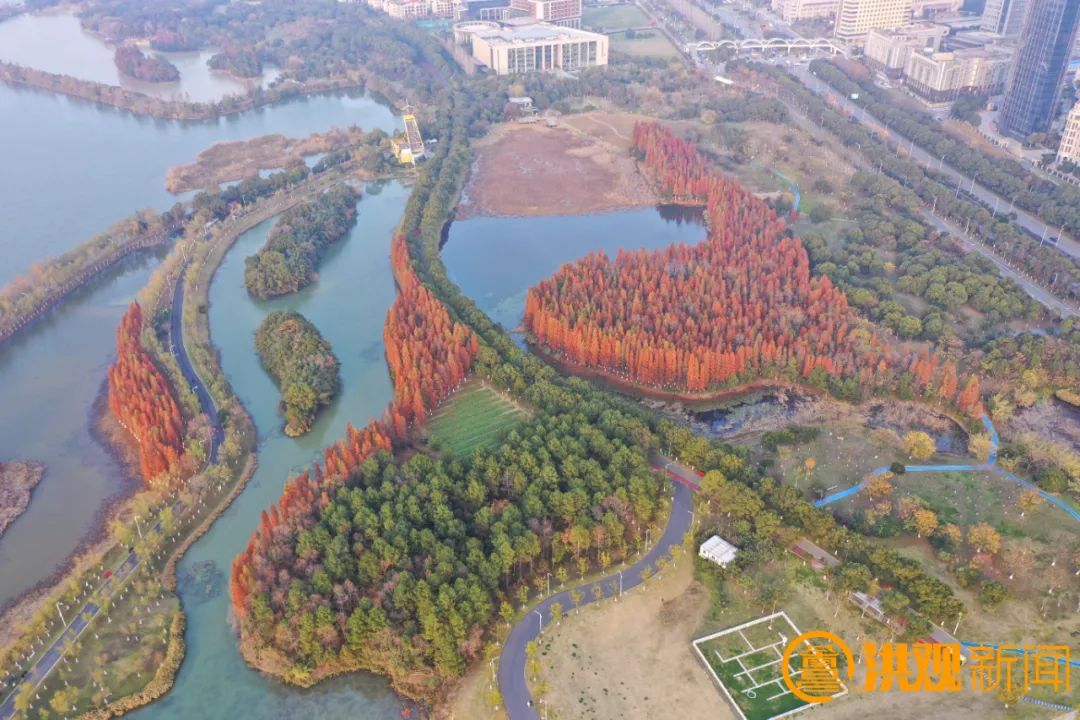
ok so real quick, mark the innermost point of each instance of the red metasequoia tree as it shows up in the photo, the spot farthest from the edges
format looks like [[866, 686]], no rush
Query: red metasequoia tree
[[142, 400], [743, 303], [429, 355]]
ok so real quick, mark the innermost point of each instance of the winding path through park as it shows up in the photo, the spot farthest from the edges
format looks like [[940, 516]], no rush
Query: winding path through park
[[989, 466], [513, 685]]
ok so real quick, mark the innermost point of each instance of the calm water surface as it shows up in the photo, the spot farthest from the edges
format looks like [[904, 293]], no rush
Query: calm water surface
[[56, 43], [348, 304], [70, 170], [495, 260]]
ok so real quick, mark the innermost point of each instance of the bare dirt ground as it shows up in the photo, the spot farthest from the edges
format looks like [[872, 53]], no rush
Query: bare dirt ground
[[532, 169], [632, 659], [230, 161]]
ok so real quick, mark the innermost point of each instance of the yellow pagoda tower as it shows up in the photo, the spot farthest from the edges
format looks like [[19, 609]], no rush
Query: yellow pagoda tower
[[409, 146]]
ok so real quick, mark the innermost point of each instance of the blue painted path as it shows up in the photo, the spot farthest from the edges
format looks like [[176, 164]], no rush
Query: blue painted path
[[989, 466]]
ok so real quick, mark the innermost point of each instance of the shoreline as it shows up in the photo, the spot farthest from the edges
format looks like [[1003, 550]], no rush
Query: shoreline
[[150, 106], [87, 275], [642, 391], [93, 545]]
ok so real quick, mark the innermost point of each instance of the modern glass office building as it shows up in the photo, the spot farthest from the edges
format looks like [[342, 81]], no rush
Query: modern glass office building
[[1046, 42]]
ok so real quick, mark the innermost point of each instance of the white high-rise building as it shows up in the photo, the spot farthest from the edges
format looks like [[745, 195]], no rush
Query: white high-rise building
[[857, 17]]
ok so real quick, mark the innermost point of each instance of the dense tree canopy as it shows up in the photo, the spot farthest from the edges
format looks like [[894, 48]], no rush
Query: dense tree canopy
[[142, 400], [429, 354], [741, 304], [240, 61], [287, 261], [696, 317], [1056, 203], [302, 364], [131, 61], [402, 568]]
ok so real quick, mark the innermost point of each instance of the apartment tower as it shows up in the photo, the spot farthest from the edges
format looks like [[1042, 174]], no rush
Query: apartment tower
[[1033, 94]]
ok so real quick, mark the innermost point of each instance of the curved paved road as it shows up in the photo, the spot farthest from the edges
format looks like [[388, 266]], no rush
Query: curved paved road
[[51, 657], [511, 676], [176, 341]]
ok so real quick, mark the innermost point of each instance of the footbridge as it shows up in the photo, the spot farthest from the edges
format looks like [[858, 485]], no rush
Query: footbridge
[[763, 44]]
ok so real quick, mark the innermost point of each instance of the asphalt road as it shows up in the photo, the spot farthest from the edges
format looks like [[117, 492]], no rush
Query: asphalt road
[[176, 336], [48, 661], [51, 657], [1025, 281], [1033, 224], [511, 675]]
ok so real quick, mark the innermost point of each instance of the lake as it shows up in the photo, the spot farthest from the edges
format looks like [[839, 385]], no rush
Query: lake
[[348, 304], [70, 170], [529, 249], [56, 43]]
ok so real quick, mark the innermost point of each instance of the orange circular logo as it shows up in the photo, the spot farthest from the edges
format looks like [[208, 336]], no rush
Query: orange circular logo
[[817, 680]]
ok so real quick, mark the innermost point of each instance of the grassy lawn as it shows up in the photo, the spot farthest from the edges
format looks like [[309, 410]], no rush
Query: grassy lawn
[[655, 45], [844, 452], [119, 653], [476, 416], [753, 677], [613, 17], [973, 497]]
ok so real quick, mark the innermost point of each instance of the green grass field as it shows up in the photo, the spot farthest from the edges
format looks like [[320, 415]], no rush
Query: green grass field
[[655, 45], [476, 416], [746, 661], [613, 17]]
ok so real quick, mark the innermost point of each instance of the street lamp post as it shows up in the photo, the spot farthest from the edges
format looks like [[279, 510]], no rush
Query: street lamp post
[[61, 614], [541, 621]]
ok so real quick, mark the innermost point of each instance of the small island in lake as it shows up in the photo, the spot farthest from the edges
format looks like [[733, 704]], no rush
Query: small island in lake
[[17, 481], [302, 364], [243, 62], [287, 261], [131, 61]]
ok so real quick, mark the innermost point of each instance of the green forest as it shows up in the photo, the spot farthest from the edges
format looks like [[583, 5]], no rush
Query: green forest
[[404, 569], [302, 364], [288, 260]]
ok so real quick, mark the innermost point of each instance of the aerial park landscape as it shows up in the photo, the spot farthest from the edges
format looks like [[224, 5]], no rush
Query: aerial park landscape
[[414, 391]]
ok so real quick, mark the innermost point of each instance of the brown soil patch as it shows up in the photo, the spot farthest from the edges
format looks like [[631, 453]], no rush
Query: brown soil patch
[[633, 659], [532, 169], [229, 161]]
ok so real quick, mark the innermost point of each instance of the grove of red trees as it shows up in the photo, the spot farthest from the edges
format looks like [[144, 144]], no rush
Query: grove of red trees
[[429, 355], [741, 304], [142, 400]]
